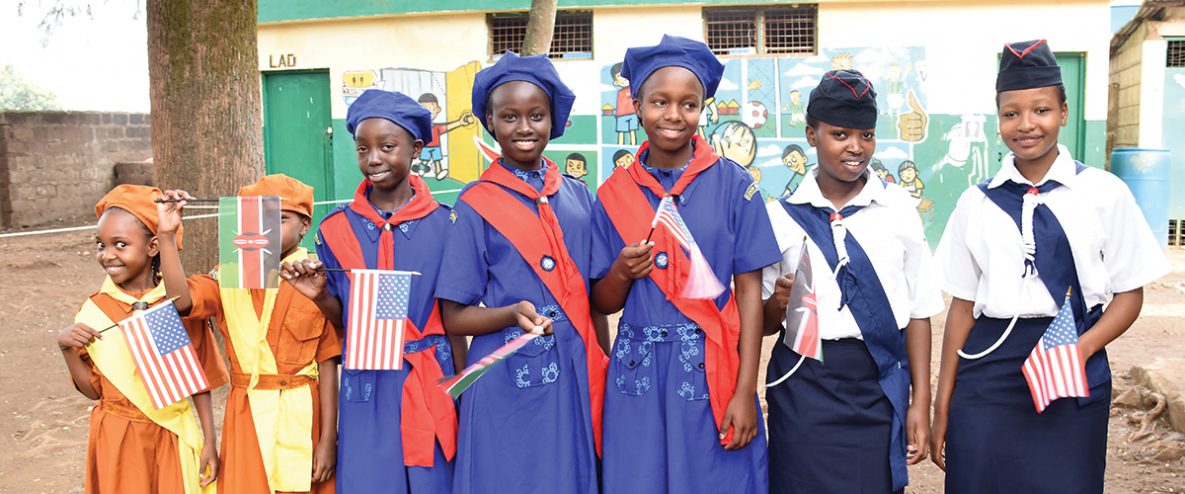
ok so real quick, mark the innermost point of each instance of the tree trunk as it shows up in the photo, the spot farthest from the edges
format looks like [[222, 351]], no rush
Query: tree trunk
[[540, 27], [206, 123]]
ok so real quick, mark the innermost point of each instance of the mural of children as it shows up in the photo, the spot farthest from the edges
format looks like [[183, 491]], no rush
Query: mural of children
[[794, 159], [576, 165], [842, 61], [432, 162], [908, 173], [623, 158], [796, 109], [735, 141], [879, 168], [627, 119], [710, 114]]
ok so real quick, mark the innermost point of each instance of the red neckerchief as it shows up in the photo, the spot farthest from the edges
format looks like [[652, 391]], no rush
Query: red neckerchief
[[421, 204], [631, 213], [702, 158], [492, 200]]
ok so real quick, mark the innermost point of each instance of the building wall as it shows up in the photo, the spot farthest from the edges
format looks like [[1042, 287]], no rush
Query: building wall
[[933, 63], [56, 165]]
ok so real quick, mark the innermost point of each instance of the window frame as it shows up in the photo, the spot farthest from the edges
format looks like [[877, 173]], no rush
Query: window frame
[[561, 16], [760, 21]]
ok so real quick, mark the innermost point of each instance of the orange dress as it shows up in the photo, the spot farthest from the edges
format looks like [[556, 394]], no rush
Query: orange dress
[[298, 335], [126, 452]]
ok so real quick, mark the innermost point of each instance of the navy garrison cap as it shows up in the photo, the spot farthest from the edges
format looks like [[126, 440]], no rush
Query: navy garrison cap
[[844, 98], [396, 107], [535, 69], [1027, 65], [642, 61]]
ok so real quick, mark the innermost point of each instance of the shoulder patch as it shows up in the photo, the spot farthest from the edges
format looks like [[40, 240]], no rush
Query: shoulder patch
[[317, 238], [452, 217], [750, 191]]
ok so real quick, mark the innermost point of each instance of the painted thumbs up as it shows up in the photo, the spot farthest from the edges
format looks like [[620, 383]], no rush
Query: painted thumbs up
[[911, 125]]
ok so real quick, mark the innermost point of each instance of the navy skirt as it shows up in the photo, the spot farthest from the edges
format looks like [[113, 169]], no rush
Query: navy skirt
[[996, 441], [829, 422]]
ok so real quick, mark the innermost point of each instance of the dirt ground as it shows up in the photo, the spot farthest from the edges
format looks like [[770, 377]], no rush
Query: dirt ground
[[43, 420]]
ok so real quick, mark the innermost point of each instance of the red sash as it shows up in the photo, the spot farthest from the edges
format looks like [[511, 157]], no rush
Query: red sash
[[630, 212], [506, 214], [428, 415]]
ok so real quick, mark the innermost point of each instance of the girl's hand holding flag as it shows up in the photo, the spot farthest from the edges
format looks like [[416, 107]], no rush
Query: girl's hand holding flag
[[531, 321], [306, 277], [635, 261]]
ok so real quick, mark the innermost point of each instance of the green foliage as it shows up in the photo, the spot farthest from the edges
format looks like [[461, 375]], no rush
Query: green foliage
[[18, 94]]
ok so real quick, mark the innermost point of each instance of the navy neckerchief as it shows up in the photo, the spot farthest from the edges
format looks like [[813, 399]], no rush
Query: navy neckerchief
[[862, 292], [1055, 263]]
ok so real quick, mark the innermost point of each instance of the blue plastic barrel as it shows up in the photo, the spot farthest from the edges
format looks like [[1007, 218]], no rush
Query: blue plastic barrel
[[1148, 173]]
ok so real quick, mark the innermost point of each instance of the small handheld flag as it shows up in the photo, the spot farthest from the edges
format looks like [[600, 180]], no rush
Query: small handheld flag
[[163, 355], [378, 309], [1054, 369], [701, 280], [249, 242], [802, 315], [457, 384]]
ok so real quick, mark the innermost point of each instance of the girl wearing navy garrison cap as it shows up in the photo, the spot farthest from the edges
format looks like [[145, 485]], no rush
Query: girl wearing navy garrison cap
[[841, 417], [517, 261], [1047, 236], [681, 409], [394, 428]]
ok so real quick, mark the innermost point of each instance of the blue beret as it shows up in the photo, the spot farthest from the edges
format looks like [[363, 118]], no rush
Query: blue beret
[[642, 61], [1027, 65], [396, 107], [844, 98], [535, 69]]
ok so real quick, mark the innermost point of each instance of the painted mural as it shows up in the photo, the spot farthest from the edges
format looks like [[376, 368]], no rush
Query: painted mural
[[757, 119]]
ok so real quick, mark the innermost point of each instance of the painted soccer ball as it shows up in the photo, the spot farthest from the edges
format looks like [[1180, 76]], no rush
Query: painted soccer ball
[[755, 114]]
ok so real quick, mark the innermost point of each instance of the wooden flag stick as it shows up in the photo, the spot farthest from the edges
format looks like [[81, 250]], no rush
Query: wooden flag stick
[[196, 199], [170, 300], [339, 270]]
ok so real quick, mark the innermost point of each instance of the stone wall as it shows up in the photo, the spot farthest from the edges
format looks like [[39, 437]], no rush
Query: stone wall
[[56, 165]]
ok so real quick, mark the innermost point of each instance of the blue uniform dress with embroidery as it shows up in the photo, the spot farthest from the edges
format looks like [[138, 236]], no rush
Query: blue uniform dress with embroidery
[[659, 431], [525, 426], [369, 439]]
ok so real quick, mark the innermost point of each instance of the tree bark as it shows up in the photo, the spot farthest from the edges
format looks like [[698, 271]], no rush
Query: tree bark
[[540, 27], [206, 110]]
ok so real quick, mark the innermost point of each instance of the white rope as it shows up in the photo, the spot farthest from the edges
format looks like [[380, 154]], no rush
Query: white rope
[[194, 217], [1026, 281], [839, 233], [1028, 243], [788, 374]]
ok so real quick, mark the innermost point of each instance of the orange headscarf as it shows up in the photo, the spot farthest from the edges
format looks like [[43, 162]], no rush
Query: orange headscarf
[[294, 195], [137, 200]]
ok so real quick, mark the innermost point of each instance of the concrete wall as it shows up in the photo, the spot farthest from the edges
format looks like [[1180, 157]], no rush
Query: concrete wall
[[936, 60], [56, 165]]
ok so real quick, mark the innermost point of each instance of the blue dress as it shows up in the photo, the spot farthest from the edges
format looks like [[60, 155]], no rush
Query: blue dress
[[369, 438], [526, 425], [659, 431]]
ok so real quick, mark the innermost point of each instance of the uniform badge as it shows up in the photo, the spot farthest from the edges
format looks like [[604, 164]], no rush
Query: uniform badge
[[750, 191], [452, 217], [317, 238], [662, 260], [547, 263]]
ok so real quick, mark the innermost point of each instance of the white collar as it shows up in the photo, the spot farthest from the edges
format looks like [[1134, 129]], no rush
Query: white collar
[[1063, 171], [808, 191]]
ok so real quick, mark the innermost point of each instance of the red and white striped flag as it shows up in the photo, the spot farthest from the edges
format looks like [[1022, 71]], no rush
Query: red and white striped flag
[[163, 355], [378, 307], [1054, 369], [701, 280]]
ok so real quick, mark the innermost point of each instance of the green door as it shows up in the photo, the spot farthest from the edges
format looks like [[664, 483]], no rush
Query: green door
[[297, 135], [1073, 74]]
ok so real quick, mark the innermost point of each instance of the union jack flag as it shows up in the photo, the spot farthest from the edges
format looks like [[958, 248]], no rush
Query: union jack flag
[[378, 309], [1054, 369], [163, 355]]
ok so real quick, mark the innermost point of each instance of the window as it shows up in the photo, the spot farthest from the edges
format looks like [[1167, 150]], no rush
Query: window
[[1176, 53], [572, 38], [754, 31]]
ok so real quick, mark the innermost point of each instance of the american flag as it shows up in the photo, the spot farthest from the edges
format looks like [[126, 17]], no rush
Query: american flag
[[163, 355], [1054, 369], [378, 307], [701, 280]]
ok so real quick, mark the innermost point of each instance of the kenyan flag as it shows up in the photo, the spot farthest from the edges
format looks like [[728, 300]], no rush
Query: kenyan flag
[[249, 243]]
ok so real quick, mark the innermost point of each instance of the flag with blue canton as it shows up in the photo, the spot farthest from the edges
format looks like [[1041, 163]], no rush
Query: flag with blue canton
[[1055, 369], [377, 309], [164, 355]]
